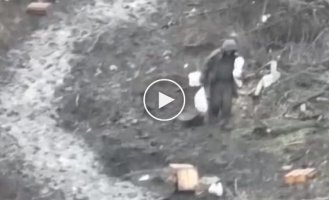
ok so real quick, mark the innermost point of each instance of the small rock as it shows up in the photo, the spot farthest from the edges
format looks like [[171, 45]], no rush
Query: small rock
[[322, 99], [134, 121], [144, 178], [131, 65], [286, 167], [167, 54], [113, 68]]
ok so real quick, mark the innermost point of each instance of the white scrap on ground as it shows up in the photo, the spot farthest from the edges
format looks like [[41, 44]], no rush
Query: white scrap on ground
[[216, 189], [265, 17], [144, 178], [113, 68], [268, 79]]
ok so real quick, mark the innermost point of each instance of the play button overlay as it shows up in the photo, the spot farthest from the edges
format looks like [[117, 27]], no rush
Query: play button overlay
[[164, 100]]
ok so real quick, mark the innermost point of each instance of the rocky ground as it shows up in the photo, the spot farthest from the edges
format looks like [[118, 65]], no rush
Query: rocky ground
[[72, 121]]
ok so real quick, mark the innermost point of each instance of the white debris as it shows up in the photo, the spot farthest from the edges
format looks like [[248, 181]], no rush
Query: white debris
[[144, 178], [191, 13], [113, 68], [167, 54], [238, 69], [200, 100], [186, 65], [268, 79], [152, 69], [194, 79], [216, 189], [233, 34], [265, 17], [98, 72], [286, 167], [303, 107]]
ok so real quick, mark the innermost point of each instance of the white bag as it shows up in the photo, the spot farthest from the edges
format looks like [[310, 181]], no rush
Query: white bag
[[238, 69], [194, 79], [200, 100]]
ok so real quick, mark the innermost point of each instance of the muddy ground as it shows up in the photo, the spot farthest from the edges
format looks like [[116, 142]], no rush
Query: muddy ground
[[76, 126]]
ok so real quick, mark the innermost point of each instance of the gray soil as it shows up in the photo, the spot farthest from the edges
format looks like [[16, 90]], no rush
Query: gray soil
[[74, 127]]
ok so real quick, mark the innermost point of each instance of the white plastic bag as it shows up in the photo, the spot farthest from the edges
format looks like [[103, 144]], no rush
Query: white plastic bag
[[194, 79], [238, 69], [200, 100]]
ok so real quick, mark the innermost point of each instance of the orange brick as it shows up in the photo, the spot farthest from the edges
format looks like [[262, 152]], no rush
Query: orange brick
[[38, 8], [299, 176], [187, 176]]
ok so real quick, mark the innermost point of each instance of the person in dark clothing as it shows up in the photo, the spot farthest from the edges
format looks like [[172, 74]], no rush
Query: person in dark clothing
[[217, 78]]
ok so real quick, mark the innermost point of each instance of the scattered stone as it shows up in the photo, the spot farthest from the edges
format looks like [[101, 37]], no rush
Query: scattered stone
[[113, 68], [144, 178], [167, 54], [152, 69], [299, 176], [98, 72], [322, 99], [286, 167], [134, 121]]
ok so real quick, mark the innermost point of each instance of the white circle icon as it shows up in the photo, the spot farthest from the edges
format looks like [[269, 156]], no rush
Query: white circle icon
[[164, 100]]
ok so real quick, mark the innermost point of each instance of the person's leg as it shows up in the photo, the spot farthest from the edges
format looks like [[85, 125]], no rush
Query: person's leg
[[226, 107], [214, 104]]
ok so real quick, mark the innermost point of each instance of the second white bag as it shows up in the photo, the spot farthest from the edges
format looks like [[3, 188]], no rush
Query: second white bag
[[200, 100]]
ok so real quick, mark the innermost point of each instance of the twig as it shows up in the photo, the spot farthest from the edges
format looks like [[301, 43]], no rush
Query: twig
[[295, 143], [77, 100], [319, 35], [92, 46], [236, 190]]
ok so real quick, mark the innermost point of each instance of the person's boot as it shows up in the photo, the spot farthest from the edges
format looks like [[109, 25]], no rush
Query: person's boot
[[226, 124], [210, 119]]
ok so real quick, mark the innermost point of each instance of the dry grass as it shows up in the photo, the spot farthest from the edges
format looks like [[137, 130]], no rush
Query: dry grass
[[296, 28]]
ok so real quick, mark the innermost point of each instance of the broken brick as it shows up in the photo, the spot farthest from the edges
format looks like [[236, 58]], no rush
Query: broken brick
[[38, 8], [187, 176], [299, 176]]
